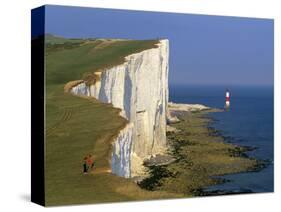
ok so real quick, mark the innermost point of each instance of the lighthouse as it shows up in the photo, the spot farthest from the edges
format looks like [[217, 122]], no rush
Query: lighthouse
[[227, 98]]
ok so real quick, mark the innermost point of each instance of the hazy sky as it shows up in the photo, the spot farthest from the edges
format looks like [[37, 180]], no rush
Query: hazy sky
[[210, 50]]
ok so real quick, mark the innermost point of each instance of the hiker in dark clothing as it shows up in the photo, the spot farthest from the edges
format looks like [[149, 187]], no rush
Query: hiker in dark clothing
[[85, 166]]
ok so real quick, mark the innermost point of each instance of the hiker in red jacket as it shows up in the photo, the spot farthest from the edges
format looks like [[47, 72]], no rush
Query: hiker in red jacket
[[90, 162]]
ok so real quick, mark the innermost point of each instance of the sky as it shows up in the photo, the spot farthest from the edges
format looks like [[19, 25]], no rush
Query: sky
[[204, 50]]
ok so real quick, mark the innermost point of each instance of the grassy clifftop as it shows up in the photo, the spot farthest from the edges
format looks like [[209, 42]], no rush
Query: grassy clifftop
[[74, 59], [78, 126]]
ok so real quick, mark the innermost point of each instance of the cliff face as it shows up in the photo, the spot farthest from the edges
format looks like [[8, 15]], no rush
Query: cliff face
[[139, 87], [121, 153]]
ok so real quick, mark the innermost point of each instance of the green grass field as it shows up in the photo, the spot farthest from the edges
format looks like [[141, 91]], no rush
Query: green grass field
[[78, 126]]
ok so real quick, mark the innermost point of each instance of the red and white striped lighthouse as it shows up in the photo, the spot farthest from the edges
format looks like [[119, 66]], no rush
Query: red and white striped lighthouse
[[227, 98]]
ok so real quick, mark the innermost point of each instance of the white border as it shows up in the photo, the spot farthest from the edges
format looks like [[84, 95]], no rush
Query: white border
[[15, 102]]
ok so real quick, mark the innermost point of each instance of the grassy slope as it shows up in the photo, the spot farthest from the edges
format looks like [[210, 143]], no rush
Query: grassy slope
[[79, 126]]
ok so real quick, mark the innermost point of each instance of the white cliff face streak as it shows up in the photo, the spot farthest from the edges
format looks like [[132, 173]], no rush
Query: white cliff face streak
[[121, 153], [139, 87]]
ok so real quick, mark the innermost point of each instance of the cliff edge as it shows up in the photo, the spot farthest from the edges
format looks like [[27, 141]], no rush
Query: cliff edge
[[139, 87]]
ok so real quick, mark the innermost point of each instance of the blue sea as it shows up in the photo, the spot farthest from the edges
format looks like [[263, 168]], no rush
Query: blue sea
[[248, 122]]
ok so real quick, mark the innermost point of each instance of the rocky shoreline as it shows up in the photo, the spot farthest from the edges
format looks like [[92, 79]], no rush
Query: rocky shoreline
[[199, 155]]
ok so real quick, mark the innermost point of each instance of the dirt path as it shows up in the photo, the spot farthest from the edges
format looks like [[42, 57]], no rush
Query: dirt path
[[100, 171]]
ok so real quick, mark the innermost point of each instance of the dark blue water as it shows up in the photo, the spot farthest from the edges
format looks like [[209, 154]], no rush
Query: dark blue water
[[249, 122]]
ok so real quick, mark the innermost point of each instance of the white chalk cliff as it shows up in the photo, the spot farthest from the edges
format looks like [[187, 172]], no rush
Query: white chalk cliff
[[139, 87]]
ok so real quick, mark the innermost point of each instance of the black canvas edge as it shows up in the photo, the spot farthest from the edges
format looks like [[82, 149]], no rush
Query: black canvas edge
[[38, 106]]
